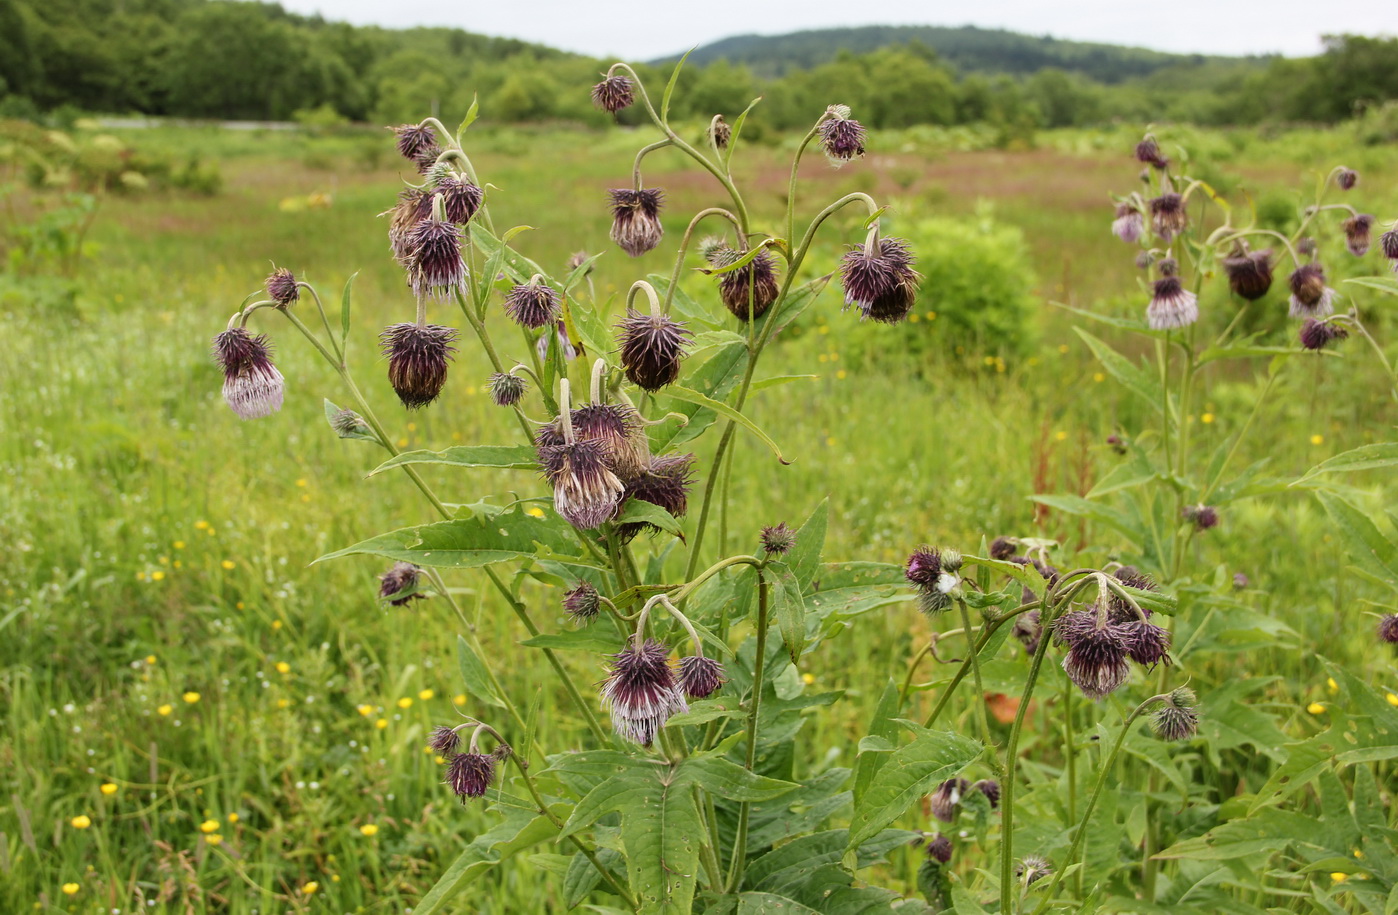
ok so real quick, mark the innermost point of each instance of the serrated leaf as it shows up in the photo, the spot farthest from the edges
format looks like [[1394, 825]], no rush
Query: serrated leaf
[[730, 781], [804, 557], [1132, 376], [788, 607], [474, 674], [1367, 546], [1365, 457], [908, 774], [518, 831], [509, 457]]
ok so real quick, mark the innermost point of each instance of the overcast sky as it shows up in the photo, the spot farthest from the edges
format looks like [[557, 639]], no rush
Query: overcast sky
[[637, 31]]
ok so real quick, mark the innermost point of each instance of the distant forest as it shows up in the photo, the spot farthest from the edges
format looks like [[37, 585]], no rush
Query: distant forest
[[218, 59]]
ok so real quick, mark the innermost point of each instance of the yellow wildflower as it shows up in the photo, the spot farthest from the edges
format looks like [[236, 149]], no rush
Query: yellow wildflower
[[108, 789], [283, 667], [191, 697], [209, 826], [213, 838], [1315, 708], [166, 709], [70, 889], [310, 887], [405, 702], [369, 829], [426, 694], [81, 821], [228, 564]]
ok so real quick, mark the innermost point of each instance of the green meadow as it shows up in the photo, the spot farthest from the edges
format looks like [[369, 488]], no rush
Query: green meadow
[[197, 717]]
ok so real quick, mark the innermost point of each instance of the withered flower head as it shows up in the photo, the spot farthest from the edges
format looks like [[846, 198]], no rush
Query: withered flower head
[[1171, 305], [1310, 296], [880, 280], [636, 224], [613, 93], [778, 539], [700, 677], [1032, 869], [470, 774], [1316, 335], [939, 849], [1097, 652], [585, 491], [621, 431], [1168, 216], [1388, 244], [417, 360], [1249, 273], [399, 585], [641, 691], [946, 798], [720, 132], [1388, 629], [1148, 153], [533, 305], [1028, 630], [414, 205], [576, 260], [665, 482], [1128, 224], [840, 136], [1176, 719], [418, 144], [460, 198], [1203, 517], [991, 789], [1146, 643], [927, 570], [282, 288], [1306, 247], [1003, 548], [1357, 230], [432, 257], [651, 346], [252, 386], [749, 290], [1118, 609], [444, 740], [1347, 178], [506, 389], [582, 603]]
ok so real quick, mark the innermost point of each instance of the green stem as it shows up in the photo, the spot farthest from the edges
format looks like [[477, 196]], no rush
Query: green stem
[[982, 721], [791, 184], [912, 669], [479, 327], [1238, 441], [684, 248], [986, 632], [740, 842], [1007, 786], [1071, 749]]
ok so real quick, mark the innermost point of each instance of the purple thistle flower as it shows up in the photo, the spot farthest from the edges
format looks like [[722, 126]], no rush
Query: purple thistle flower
[[582, 603], [1148, 153], [399, 585], [1347, 179], [613, 94], [444, 740], [1097, 652], [533, 305], [1388, 629], [1203, 517], [1146, 643], [1168, 216], [432, 257], [1249, 273], [1028, 630], [1128, 224], [1310, 296], [651, 346], [751, 289], [641, 692], [506, 389], [840, 136], [1357, 229], [991, 789], [1118, 609], [1002, 548], [1388, 244], [778, 539], [470, 774], [939, 849], [282, 288], [417, 360], [700, 677], [621, 431], [585, 491], [460, 198], [413, 207], [879, 279], [1316, 335], [252, 386], [418, 144], [1176, 719], [946, 798], [928, 570], [1171, 305], [665, 482], [636, 224]]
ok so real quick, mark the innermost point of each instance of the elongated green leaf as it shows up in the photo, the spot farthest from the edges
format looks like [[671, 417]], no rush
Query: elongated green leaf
[[908, 774], [468, 543], [763, 384], [345, 311], [1365, 457], [1371, 551], [1268, 831], [1132, 376], [717, 377], [796, 302], [670, 86], [515, 457], [519, 830], [738, 128], [515, 265], [731, 781], [1135, 325], [474, 674], [1077, 505], [706, 710], [770, 904], [1241, 351], [575, 640], [882, 727], [804, 558], [679, 392], [639, 511], [1386, 284], [784, 591], [471, 114]]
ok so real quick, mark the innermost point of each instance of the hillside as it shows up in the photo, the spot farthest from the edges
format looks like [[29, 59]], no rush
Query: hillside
[[967, 48]]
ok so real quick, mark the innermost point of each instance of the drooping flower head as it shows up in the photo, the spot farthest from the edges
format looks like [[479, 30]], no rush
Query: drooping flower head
[[1148, 153], [444, 740], [1168, 216], [1249, 273], [928, 568], [720, 132], [946, 798], [1388, 629], [621, 431], [1176, 719], [1002, 548], [651, 346], [282, 287], [1097, 651], [1316, 335], [585, 491], [1171, 305], [1146, 643], [613, 93], [665, 481], [506, 389], [399, 585], [878, 278], [841, 137], [252, 386], [749, 290], [1388, 244], [460, 198], [432, 258], [939, 849], [1119, 610], [1310, 296], [1357, 229], [582, 603], [534, 304], [636, 224], [418, 144], [641, 691], [1128, 224], [470, 774], [1028, 630], [1347, 178], [414, 205], [700, 677], [991, 789], [418, 355]]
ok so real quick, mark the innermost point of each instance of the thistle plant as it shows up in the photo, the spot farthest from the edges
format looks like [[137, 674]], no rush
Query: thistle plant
[[693, 799]]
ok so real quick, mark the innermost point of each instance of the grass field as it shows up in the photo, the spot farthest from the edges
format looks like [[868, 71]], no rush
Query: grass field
[[197, 719]]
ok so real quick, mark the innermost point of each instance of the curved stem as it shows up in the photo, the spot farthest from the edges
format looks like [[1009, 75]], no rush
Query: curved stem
[[641, 154], [340, 353], [456, 152], [1286, 242], [479, 327], [986, 632], [791, 183], [684, 248]]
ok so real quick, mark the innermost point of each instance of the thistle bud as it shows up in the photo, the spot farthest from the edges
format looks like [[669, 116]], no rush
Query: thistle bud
[[641, 692], [1388, 629], [1002, 548], [1128, 224], [1148, 153], [506, 389], [282, 287], [417, 360], [349, 424], [636, 224], [840, 136], [533, 305], [934, 582], [399, 585], [700, 677], [1316, 335], [651, 346], [418, 144], [252, 386], [1171, 305], [444, 740], [460, 198], [991, 789], [1176, 719], [1097, 652], [1032, 869], [939, 849], [613, 94], [719, 132], [470, 774], [1310, 296], [582, 603], [1249, 273], [1028, 630], [1388, 244], [748, 291], [778, 539], [945, 799], [414, 206], [1347, 178], [1168, 216], [1357, 230], [1240, 581], [1203, 517], [879, 279]]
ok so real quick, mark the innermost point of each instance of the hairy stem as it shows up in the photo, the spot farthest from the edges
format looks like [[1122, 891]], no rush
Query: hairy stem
[[740, 841]]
